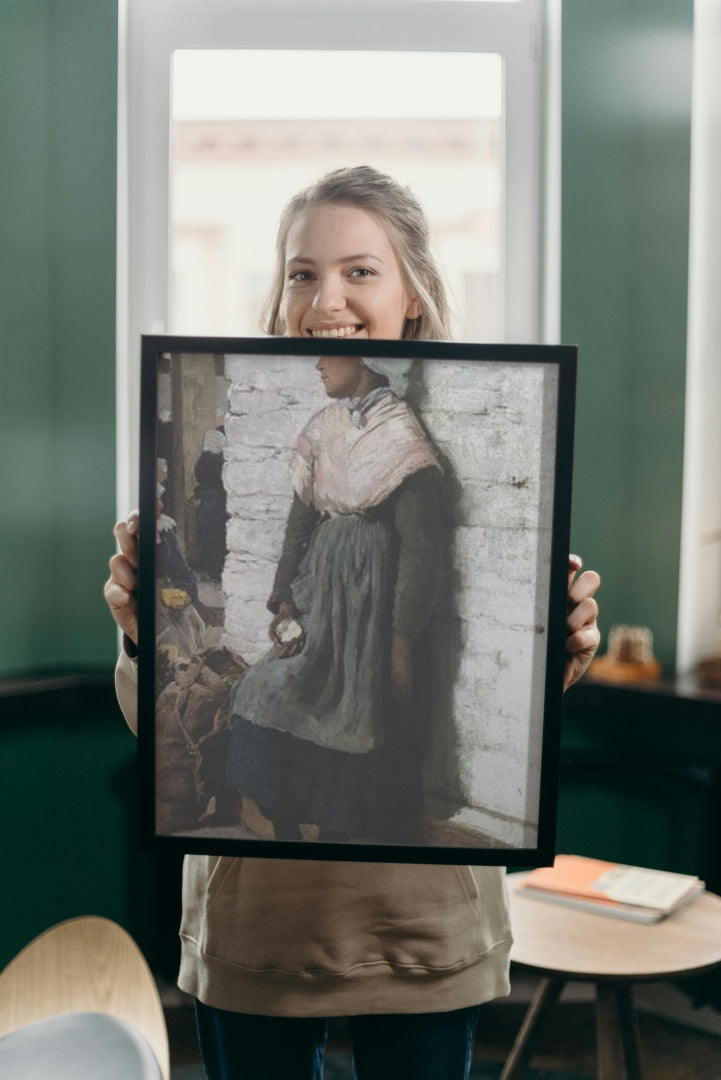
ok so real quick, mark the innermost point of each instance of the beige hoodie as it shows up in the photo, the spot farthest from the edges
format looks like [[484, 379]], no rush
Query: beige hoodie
[[285, 937]]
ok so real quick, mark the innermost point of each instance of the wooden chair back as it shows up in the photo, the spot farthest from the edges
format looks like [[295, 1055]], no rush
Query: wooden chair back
[[87, 964]]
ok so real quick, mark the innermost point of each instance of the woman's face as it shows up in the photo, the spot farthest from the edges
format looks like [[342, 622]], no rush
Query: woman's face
[[344, 376], [342, 277]]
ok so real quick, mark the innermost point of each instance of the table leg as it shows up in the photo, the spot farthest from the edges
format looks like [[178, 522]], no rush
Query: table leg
[[617, 1033], [545, 997]]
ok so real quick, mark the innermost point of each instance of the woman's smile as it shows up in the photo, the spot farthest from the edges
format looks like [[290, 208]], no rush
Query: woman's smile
[[335, 331]]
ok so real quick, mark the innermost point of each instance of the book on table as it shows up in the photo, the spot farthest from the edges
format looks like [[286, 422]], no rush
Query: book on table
[[609, 888]]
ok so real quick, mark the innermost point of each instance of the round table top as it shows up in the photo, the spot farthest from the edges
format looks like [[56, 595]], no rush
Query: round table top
[[559, 940]]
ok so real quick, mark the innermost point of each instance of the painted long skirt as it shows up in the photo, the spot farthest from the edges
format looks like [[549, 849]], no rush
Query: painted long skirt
[[317, 738]]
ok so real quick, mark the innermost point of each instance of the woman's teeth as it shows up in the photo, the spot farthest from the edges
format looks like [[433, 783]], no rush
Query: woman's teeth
[[336, 332]]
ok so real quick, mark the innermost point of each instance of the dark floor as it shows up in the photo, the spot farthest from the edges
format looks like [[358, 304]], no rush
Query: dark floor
[[669, 1051], [567, 1042]]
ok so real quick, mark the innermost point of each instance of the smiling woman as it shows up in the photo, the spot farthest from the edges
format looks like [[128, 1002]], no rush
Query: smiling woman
[[353, 259], [331, 292]]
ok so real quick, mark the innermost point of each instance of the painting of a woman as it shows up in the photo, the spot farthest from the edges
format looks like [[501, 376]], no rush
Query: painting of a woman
[[327, 727]]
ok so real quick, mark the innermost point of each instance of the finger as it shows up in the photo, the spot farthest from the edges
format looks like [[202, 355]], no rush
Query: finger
[[585, 640], [585, 585], [123, 572], [284, 650], [116, 596], [584, 613], [575, 562], [126, 534], [123, 608]]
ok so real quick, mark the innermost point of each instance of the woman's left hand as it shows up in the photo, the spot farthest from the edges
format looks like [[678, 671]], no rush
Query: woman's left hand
[[583, 635], [284, 649]]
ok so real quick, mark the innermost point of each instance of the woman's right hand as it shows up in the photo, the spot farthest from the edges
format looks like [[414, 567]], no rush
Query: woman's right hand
[[121, 587], [289, 648]]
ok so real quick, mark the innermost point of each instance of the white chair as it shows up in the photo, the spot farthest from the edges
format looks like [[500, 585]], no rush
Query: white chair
[[80, 1002]]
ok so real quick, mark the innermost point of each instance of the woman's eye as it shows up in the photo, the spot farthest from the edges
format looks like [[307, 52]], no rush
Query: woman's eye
[[300, 276], [362, 272]]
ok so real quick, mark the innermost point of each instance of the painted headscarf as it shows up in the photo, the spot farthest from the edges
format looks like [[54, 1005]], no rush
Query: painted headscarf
[[395, 369]]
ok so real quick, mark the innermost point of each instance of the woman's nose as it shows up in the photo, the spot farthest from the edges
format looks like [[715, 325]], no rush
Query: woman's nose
[[329, 295]]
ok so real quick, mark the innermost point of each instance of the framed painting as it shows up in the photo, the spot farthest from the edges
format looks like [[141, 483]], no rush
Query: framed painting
[[352, 597]]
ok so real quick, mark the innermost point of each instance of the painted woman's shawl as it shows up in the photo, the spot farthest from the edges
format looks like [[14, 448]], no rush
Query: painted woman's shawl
[[348, 462]]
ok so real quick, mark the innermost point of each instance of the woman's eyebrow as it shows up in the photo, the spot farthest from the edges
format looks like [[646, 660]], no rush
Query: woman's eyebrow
[[361, 257]]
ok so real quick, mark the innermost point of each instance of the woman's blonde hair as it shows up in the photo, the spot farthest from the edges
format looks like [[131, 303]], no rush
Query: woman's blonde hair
[[400, 212]]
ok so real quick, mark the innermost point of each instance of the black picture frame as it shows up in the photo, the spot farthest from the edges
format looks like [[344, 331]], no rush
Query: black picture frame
[[220, 419]]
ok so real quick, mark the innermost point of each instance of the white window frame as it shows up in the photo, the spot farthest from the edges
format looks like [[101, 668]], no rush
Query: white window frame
[[699, 596], [526, 34]]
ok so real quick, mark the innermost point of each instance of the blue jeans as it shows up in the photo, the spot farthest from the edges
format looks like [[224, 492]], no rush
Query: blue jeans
[[413, 1046]]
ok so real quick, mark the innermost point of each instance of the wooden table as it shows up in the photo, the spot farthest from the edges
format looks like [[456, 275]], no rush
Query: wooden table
[[563, 944]]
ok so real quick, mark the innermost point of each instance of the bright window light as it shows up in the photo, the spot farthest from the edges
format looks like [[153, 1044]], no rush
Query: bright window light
[[434, 121], [220, 84]]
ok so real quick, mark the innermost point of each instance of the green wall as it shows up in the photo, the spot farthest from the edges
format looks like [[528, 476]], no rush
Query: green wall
[[67, 771], [58, 72], [68, 803], [626, 145]]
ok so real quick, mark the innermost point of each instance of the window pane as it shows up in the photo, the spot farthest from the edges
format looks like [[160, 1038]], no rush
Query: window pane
[[252, 127]]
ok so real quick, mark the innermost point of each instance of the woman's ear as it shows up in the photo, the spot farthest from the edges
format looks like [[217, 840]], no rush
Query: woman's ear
[[415, 309]]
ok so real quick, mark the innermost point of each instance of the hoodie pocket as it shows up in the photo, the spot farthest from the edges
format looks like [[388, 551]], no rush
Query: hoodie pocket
[[469, 888], [202, 876], [269, 914]]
